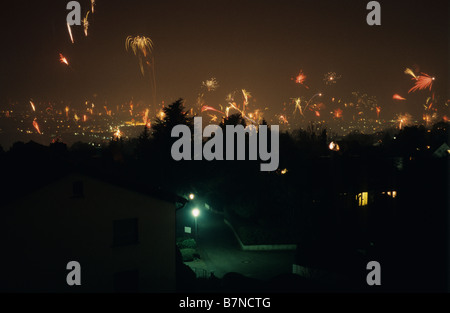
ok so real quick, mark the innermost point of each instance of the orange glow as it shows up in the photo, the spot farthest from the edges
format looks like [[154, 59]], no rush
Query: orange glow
[[63, 59], [36, 126], [338, 113], [398, 97]]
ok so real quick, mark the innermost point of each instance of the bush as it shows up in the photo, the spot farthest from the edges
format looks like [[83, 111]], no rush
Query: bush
[[188, 255], [186, 243]]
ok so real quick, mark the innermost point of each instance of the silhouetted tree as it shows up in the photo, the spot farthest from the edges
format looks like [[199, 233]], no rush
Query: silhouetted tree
[[234, 119], [174, 115]]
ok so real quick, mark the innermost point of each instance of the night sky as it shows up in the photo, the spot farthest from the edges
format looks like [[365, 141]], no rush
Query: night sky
[[245, 44]]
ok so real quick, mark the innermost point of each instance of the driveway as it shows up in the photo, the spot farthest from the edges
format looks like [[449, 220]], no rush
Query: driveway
[[221, 254]]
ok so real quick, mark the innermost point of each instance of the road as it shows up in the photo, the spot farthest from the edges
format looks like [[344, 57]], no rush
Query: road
[[220, 251]]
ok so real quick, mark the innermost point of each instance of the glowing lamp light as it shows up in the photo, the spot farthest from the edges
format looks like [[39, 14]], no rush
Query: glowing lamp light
[[196, 212], [191, 196]]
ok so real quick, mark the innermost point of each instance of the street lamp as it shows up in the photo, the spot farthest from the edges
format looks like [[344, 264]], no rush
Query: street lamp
[[191, 196], [196, 213]]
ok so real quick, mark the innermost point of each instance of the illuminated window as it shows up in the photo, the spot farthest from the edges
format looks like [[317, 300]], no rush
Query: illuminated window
[[363, 198], [392, 194]]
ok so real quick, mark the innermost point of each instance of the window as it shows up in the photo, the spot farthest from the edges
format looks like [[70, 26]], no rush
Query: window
[[127, 281], [125, 232], [363, 198]]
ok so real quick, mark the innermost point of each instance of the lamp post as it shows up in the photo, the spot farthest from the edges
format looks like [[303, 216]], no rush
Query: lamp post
[[196, 213]]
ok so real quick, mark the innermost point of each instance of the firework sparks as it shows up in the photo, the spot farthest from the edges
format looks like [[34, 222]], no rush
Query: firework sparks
[[118, 134], [92, 6], [208, 108], [213, 117], [145, 119], [316, 95], [298, 105], [398, 97], [86, 24], [430, 118], [403, 120], [36, 126], [247, 96], [211, 84], [410, 72], [282, 119], [32, 106], [69, 29], [423, 82], [331, 78], [337, 113], [300, 79], [142, 48], [63, 59], [378, 111]]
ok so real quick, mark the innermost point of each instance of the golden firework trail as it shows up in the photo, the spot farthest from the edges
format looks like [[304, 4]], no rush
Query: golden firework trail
[[247, 96], [298, 105], [409, 71], [70, 32], [92, 6], [86, 24], [32, 106]]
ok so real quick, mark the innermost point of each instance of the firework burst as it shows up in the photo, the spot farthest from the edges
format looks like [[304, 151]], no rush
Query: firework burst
[[210, 84], [403, 120], [142, 48], [423, 82], [300, 79], [331, 78]]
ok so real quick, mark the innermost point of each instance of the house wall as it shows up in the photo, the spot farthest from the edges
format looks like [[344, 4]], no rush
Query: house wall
[[45, 230]]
